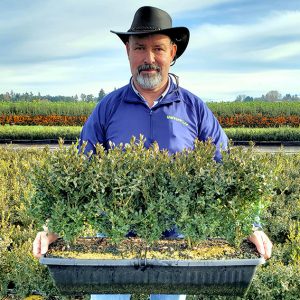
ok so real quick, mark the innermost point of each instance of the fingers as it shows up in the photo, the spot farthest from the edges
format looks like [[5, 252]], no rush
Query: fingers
[[44, 242], [262, 243], [36, 247], [41, 243]]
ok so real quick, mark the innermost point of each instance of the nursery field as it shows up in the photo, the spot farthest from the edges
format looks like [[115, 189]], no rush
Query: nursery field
[[21, 275], [11, 133], [242, 121], [85, 108], [229, 114]]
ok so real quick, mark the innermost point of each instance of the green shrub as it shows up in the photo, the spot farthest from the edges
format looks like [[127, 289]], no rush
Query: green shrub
[[283, 216], [277, 279], [148, 191], [273, 109], [19, 271], [85, 108], [45, 108], [32, 133], [264, 134]]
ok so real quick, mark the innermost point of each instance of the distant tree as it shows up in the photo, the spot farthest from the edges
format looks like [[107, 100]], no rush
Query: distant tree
[[257, 99], [287, 97], [83, 97], [89, 98], [7, 96], [240, 98], [273, 96], [248, 99], [101, 95], [17, 96], [296, 98]]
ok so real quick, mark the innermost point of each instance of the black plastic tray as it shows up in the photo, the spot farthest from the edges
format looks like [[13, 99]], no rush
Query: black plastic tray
[[124, 276]]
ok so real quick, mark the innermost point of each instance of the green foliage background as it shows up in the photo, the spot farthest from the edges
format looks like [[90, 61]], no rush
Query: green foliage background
[[225, 109], [30, 133], [21, 274]]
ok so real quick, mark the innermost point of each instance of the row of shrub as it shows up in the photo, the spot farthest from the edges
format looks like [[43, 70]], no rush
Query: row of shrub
[[35, 133], [237, 120], [36, 120], [268, 109], [264, 134], [225, 109], [10, 133], [258, 121], [44, 108], [22, 275]]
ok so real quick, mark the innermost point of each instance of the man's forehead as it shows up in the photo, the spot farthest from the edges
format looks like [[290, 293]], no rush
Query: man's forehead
[[153, 37]]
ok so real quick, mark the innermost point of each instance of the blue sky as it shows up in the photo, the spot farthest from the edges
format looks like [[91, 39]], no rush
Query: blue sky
[[64, 47]]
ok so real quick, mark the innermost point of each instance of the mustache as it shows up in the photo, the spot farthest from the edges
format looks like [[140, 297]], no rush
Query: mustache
[[148, 67]]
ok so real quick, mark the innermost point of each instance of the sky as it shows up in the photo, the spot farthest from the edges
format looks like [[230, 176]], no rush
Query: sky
[[65, 47]]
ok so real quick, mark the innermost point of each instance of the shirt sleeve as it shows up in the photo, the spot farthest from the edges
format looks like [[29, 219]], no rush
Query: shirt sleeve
[[93, 131], [210, 128]]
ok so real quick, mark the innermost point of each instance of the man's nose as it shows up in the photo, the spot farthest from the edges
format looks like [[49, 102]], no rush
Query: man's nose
[[149, 57]]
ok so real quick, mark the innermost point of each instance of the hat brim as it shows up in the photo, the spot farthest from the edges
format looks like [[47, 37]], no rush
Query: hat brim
[[179, 35]]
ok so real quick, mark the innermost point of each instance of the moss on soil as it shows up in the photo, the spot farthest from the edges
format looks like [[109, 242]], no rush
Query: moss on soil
[[136, 248]]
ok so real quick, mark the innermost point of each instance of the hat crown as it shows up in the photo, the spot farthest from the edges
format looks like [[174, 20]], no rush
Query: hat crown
[[150, 18]]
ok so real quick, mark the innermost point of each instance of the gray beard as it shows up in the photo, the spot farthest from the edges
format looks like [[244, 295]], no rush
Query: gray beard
[[149, 82]]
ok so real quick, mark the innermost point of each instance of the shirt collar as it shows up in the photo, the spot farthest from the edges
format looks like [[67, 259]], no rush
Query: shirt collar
[[164, 93]]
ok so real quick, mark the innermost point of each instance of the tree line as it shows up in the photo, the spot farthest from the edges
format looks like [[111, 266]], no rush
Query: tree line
[[271, 96], [15, 97]]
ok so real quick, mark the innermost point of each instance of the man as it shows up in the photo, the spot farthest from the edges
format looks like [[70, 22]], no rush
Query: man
[[154, 105]]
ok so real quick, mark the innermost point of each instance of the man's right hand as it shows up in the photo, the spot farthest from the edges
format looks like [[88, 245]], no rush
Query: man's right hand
[[41, 243]]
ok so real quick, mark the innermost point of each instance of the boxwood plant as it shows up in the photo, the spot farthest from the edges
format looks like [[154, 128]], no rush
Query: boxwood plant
[[131, 188]]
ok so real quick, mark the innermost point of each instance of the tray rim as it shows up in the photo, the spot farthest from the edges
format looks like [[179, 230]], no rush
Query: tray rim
[[150, 262]]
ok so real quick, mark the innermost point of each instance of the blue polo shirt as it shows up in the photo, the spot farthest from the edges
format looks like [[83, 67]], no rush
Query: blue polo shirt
[[175, 122]]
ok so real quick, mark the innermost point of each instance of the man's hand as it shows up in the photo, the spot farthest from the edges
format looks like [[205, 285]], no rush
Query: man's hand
[[262, 243], [41, 243]]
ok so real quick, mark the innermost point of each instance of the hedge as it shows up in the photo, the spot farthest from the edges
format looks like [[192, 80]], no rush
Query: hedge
[[265, 108], [229, 114], [45, 108], [258, 121], [148, 191], [225, 109], [31, 133], [236, 120], [22, 275]]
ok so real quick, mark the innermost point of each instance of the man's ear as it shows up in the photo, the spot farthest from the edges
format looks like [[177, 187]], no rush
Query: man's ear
[[127, 48], [174, 51]]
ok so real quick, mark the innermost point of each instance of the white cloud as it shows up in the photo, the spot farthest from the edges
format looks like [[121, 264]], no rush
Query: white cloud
[[65, 47], [67, 77], [280, 52], [227, 85], [273, 25]]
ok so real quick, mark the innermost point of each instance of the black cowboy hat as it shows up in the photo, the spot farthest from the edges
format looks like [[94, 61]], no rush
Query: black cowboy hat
[[151, 20]]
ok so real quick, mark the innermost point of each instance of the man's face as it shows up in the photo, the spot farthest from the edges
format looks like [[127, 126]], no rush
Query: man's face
[[150, 58]]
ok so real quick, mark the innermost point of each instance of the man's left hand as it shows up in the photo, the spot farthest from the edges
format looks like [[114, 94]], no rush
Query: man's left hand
[[262, 243]]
